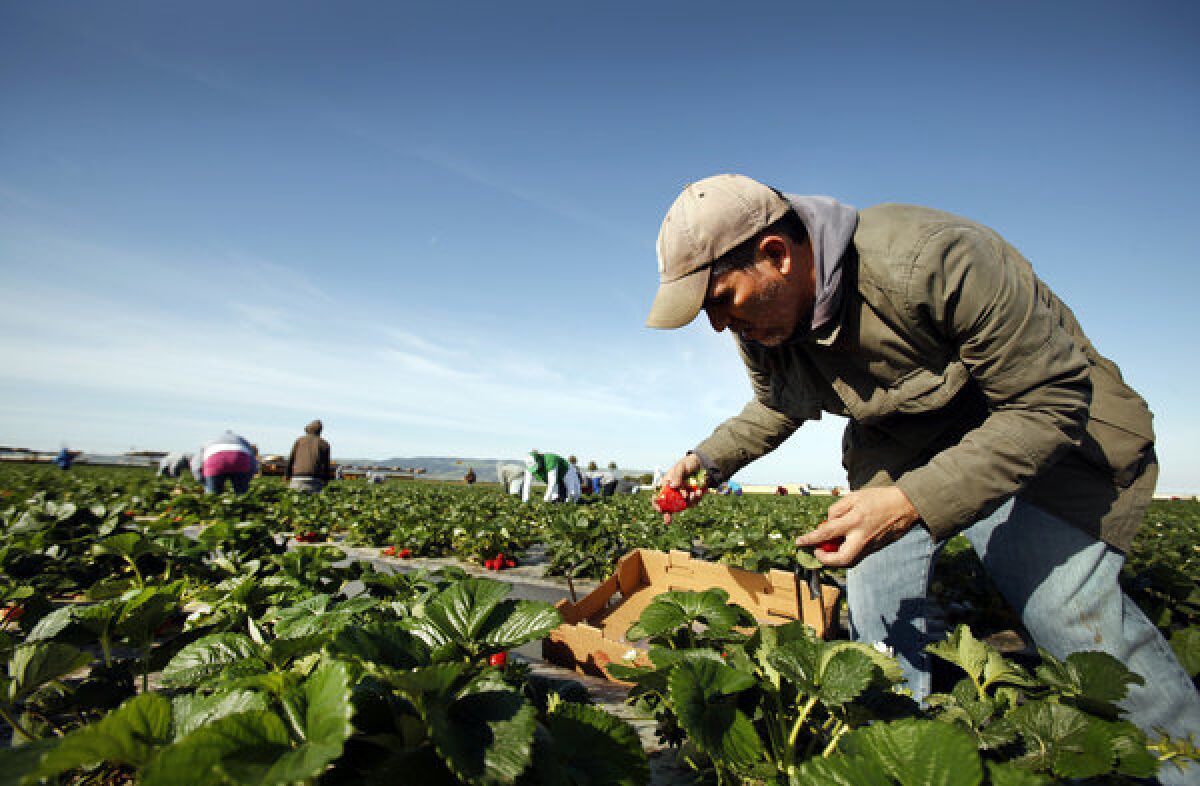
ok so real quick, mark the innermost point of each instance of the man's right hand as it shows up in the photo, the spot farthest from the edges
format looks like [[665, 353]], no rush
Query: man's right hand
[[677, 476]]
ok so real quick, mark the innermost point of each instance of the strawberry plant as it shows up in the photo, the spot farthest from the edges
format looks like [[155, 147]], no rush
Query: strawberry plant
[[779, 704]]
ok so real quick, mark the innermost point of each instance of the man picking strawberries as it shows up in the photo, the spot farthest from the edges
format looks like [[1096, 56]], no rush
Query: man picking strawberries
[[975, 403]]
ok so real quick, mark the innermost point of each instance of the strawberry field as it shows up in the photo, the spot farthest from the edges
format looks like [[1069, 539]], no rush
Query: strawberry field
[[154, 635]]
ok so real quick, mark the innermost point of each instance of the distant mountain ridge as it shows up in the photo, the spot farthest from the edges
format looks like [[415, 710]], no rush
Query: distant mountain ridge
[[453, 468]]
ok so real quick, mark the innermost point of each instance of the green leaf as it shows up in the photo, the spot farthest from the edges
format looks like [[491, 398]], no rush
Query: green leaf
[[462, 609], [1129, 746], [589, 747], [486, 734], [207, 657], [33, 665], [127, 544], [704, 696], [1096, 679], [798, 661], [22, 760], [1009, 774], [664, 658], [517, 622], [327, 705], [1186, 644], [142, 611], [840, 770], [238, 748], [51, 625], [472, 617], [674, 610], [128, 735], [381, 643], [963, 650], [191, 711], [1064, 740], [888, 666], [844, 677], [919, 752], [481, 728]]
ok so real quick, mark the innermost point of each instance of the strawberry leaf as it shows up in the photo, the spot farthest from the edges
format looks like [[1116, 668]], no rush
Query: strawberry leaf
[[704, 695], [918, 752], [586, 745]]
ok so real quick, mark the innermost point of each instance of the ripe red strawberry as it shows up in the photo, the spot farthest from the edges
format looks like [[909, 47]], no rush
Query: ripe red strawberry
[[390, 551], [498, 659], [510, 563], [831, 545], [405, 553], [669, 500]]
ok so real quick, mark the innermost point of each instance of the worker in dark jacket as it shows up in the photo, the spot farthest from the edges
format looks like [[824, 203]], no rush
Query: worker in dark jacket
[[308, 466], [975, 404]]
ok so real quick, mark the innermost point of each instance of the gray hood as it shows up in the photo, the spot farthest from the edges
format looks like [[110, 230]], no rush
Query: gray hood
[[830, 226]]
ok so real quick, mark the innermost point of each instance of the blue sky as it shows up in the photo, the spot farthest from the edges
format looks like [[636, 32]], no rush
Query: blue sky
[[432, 224]]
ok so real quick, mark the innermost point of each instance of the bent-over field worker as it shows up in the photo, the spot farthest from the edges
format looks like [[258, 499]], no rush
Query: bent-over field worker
[[976, 404], [561, 479], [226, 457]]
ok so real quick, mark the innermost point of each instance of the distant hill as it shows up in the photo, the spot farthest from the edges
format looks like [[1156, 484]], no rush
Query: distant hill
[[451, 468]]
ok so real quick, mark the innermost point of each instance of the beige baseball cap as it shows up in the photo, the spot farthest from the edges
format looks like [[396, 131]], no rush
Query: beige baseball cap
[[709, 219]]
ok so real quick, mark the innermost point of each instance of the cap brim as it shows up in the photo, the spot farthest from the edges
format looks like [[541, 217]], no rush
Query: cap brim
[[678, 302]]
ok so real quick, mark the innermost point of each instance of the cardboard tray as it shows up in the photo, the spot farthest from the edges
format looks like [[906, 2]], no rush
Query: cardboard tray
[[593, 630]]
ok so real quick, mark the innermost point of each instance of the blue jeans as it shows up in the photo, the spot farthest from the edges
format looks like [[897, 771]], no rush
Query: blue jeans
[[215, 484], [1061, 580]]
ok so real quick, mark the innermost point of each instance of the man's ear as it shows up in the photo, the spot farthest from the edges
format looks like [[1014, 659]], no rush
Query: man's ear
[[779, 251]]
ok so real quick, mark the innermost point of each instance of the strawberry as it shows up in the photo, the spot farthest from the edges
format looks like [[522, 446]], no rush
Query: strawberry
[[510, 563], [499, 659], [11, 613], [390, 551], [669, 500], [831, 545], [405, 553]]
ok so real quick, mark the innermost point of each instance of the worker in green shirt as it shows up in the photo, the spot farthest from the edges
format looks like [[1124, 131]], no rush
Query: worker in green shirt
[[561, 479]]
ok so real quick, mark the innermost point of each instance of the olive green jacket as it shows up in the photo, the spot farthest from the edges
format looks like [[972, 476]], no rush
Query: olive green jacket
[[965, 381]]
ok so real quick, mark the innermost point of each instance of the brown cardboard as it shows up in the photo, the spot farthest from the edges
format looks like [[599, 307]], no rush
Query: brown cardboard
[[593, 629]]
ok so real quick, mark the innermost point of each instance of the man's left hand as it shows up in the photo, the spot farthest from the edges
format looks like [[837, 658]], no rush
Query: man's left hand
[[867, 519]]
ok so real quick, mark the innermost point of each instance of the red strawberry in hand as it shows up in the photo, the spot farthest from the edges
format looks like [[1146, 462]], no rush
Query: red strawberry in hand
[[831, 545]]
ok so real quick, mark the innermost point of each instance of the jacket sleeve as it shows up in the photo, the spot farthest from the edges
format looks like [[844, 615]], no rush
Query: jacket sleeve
[[287, 470], [978, 294], [755, 431]]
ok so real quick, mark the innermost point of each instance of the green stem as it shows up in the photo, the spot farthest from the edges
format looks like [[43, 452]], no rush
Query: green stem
[[838, 731], [106, 648], [141, 583], [293, 718], [800, 719], [11, 720]]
